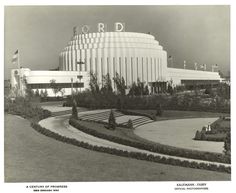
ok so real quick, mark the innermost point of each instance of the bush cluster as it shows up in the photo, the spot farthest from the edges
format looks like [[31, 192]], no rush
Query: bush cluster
[[203, 136], [127, 112], [185, 102], [124, 125], [135, 155], [112, 121], [24, 108], [158, 148]]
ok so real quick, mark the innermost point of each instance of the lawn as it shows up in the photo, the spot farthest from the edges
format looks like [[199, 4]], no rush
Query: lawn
[[167, 115], [33, 157]]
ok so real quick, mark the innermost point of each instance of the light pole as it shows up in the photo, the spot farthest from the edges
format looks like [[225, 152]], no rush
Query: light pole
[[71, 87], [184, 64], [80, 69]]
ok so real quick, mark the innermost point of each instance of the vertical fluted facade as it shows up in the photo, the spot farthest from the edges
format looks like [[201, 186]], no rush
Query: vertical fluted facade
[[132, 55]]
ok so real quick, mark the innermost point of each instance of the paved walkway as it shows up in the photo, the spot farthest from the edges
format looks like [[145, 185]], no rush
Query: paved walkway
[[61, 126]]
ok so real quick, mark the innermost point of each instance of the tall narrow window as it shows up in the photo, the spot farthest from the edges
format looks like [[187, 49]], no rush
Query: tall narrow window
[[132, 79], [142, 69], [72, 66], [85, 64], [114, 64], [126, 78], [155, 66], [96, 65], [101, 66], [147, 69], [68, 64], [151, 69], [76, 60], [108, 70], [120, 64], [90, 63], [137, 68]]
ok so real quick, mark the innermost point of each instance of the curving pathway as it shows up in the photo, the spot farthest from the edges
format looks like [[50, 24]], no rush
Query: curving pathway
[[61, 126]]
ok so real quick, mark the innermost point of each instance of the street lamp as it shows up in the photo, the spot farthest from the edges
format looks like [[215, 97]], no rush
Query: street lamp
[[184, 64], [80, 63]]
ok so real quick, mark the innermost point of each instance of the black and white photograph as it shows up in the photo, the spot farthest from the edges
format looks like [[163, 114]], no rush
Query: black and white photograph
[[117, 93]]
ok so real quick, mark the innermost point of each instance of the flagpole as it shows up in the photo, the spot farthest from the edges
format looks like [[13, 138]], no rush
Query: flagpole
[[18, 64]]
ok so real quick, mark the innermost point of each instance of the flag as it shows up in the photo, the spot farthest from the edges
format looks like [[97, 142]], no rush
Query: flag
[[15, 57]]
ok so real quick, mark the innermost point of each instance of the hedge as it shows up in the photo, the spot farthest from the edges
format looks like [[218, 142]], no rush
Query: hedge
[[127, 126], [158, 148], [127, 112], [24, 109], [136, 155]]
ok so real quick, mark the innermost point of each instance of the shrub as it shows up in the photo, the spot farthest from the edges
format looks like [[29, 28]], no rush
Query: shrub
[[130, 124], [198, 135], [129, 112], [111, 121], [74, 110], [227, 143], [24, 108], [159, 110]]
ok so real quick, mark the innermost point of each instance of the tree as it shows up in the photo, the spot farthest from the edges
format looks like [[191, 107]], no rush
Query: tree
[[94, 87], [137, 89], [111, 121], [41, 93], [37, 93], [146, 90], [107, 85], [197, 135], [120, 84], [130, 124], [140, 87], [54, 86], [227, 143], [159, 110], [62, 91], [45, 93], [74, 110], [133, 89], [28, 91], [170, 89]]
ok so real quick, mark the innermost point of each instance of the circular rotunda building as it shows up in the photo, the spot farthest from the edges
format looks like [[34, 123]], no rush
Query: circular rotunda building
[[134, 56]]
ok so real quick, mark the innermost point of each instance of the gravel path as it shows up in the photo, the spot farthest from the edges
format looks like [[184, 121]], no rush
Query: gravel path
[[61, 126]]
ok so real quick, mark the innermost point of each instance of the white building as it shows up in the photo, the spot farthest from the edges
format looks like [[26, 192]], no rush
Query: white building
[[132, 55], [40, 80]]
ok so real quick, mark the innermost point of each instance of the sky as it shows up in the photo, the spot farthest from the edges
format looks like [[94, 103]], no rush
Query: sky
[[192, 33]]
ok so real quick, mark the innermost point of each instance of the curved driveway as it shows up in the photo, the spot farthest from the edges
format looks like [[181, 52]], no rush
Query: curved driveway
[[61, 126], [179, 133]]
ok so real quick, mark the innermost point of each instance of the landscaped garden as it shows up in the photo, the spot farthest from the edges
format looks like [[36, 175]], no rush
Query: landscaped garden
[[154, 107], [37, 158]]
